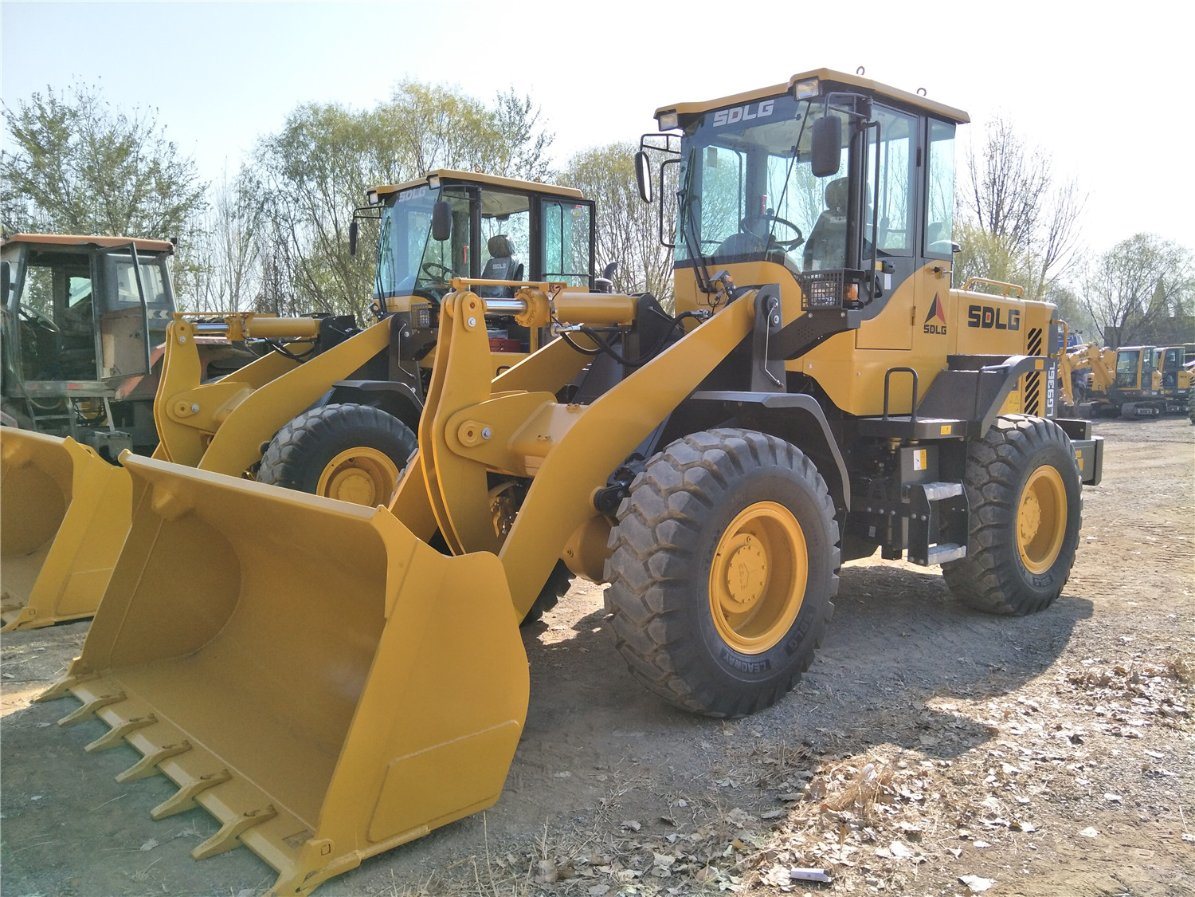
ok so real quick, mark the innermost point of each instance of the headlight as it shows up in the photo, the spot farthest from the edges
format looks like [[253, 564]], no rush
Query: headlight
[[807, 89], [371, 197], [433, 181], [668, 121]]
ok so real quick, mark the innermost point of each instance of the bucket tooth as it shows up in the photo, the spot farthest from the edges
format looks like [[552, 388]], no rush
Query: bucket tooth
[[116, 734], [14, 615], [312, 766], [184, 798], [230, 833], [148, 765], [62, 687], [90, 708]]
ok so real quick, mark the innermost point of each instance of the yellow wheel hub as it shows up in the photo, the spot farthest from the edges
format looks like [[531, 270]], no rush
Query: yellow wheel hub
[[361, 475], [758, 577], [1041, 519]]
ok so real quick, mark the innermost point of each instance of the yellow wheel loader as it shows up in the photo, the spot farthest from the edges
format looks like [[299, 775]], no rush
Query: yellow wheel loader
[[327, 408], [715, 467]]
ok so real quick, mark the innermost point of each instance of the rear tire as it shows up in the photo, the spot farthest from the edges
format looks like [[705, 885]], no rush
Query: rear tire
[[351, 452], [723, 566], [1025, 495]]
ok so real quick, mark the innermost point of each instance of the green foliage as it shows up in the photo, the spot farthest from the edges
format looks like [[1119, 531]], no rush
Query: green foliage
[[306, 180], [78, 166], [983, 254]]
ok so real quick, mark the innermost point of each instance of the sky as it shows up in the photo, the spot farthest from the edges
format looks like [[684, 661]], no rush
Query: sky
[[1098, 87]]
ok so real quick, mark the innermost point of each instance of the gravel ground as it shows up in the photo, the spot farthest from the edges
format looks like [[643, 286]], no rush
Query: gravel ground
[[930, 749]]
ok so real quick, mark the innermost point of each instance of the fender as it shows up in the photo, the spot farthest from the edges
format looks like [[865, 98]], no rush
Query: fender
[[795, 417], [394, 398]]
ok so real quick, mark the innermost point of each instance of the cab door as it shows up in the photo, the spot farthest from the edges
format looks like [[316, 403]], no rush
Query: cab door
[[892, 187], [564, 248]]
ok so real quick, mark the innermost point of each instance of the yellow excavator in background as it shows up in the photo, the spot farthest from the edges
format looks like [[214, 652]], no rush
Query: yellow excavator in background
[[327, 408], [331, 680], [1132, 381]]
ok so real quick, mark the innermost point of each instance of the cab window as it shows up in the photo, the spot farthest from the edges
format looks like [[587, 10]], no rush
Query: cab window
[[505, 239], [566, 229], [892, 233], [722, 184], [119, 270], [58, 326], [939, 206]]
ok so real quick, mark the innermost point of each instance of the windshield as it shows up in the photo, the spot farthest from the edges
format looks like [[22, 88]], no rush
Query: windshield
[[748, 192], [1126, 367], [409, 260]]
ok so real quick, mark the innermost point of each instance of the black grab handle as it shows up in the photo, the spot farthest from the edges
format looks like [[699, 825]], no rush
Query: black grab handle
[[888, 382]]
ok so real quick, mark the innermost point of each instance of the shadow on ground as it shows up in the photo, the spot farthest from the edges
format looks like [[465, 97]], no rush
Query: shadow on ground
[[595, 742]]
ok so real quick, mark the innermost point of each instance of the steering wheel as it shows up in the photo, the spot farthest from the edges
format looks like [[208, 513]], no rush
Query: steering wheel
[[442, 273], [33, 316], [790, 244]]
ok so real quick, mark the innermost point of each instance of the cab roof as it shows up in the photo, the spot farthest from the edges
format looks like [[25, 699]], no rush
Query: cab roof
[[142, 244], [487, 180], [883, 91]]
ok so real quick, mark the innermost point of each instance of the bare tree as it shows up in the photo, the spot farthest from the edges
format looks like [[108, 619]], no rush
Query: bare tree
[[1014, 200], [1135, 284], [219, 268], [627, 228]]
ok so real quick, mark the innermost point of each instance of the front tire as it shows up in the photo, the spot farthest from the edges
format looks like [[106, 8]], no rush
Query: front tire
[[353, 453], [723, 566], [1025, 495]]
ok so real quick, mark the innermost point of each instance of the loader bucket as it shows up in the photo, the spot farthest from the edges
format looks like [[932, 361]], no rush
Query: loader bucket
[[64, 512], [317, 678]]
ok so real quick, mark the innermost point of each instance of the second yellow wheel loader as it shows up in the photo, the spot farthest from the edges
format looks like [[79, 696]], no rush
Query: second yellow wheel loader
[[327, 409], [804, 406]]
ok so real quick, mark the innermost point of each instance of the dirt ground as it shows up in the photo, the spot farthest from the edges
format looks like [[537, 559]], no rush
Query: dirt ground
[[929, 750]]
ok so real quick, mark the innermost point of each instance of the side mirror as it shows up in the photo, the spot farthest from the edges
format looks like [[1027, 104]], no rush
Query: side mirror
[[643, 175], [441, 221], [827, 146], [5, 282], [353, 237]]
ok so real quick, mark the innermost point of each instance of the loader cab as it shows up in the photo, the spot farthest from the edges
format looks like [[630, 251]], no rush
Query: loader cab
[[497, 229], [82, 316], [836, 186]]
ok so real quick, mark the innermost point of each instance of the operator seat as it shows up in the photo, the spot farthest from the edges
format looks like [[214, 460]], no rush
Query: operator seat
[[826, 246], [501, 266], [752, 238]]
